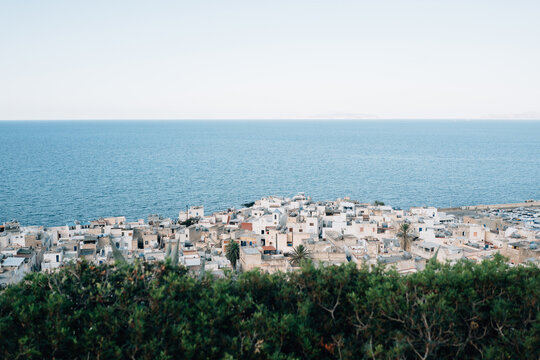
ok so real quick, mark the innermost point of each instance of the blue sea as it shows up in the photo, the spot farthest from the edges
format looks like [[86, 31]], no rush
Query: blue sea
[[53, 172]]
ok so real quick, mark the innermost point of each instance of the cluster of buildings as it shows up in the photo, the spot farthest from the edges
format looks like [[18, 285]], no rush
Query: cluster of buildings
[[268, 231]]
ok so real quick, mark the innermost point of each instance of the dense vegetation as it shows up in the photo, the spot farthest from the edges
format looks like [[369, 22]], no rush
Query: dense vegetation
[[188, 222], [144, 311]]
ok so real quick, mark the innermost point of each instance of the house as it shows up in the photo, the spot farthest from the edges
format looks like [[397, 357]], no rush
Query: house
[[12, 269], [250, 258], [195, 212], [191, 258], [52, 259]]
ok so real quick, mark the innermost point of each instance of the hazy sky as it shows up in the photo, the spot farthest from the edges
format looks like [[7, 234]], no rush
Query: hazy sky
[[269, 59]]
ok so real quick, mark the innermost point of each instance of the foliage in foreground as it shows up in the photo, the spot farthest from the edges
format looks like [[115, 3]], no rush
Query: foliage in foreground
[[144, 311]]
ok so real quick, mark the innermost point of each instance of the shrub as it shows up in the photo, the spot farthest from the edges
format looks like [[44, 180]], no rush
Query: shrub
[[160, 311]]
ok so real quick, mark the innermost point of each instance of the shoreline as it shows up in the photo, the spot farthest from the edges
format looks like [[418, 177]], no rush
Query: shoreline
[[532, 203]]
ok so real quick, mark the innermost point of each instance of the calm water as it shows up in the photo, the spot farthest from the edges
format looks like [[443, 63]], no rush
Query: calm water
[[54, 172]]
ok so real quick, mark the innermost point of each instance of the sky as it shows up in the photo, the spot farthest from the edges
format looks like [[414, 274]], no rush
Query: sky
[[293, 59]]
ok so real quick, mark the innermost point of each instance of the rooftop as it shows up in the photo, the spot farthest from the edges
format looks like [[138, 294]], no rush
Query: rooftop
[[250, 250], [13, 261]]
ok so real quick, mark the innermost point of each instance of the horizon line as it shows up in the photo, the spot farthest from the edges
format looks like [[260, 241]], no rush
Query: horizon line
[[278, 119]]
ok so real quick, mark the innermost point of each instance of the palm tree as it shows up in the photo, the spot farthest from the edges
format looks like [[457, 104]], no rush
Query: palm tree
[[299, 255], [233, 253], [405, 233]]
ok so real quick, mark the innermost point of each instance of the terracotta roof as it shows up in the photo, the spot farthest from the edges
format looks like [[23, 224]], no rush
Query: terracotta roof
[[269, 248]]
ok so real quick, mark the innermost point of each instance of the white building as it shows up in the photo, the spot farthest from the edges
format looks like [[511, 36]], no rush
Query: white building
[[52, 259]]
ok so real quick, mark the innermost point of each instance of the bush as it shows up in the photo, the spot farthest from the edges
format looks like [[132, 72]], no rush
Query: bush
[[159, 311], [189, 222]]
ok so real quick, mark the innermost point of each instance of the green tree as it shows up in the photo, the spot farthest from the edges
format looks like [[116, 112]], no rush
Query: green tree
[[189, 222], [299, 255], [159, 311], [405, 234], [378, 203], [232, 252]]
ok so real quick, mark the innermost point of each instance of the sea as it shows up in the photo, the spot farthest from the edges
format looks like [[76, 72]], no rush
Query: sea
[[54, 172]]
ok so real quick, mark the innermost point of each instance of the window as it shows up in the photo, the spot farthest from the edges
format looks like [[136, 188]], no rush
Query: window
[[146, 242], [299, 230], [57, 258], [290, 229], [311, 224], [419, 229], [262, 232]]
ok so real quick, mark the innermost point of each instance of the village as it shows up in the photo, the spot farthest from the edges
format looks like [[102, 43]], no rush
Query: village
[[274, 234]]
